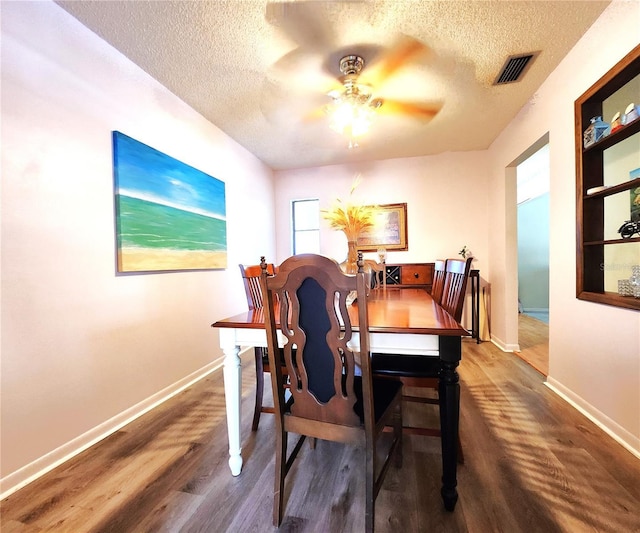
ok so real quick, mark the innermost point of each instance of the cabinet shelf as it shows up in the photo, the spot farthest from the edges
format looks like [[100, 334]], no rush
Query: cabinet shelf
[[614, 189], [612, 241], [599, 254], [614, 138], [611, 298]]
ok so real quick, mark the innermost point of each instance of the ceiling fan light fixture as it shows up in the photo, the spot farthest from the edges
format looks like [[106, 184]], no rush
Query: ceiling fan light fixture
[[353, 110], [351, 120], [351, 117]]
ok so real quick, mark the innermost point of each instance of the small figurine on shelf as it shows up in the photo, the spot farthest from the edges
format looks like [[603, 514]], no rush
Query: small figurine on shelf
[[627, 229], [616, 122], [631, 113], [597, 130]]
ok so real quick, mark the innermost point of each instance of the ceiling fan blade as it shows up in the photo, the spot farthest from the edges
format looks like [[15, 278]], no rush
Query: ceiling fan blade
[[404, 50], [315, 114], [424, 111], [280, 103], [306, 23], [301, 71]]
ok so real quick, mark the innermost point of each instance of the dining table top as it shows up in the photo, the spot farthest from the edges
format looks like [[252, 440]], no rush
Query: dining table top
[[391, 310]]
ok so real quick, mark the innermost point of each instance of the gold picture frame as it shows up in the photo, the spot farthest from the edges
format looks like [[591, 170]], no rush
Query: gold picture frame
[[389, 230]]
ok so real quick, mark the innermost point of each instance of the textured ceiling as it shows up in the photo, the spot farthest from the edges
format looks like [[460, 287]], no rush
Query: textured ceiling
[[256, 69]]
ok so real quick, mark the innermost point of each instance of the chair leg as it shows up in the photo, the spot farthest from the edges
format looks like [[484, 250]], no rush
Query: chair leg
[[460, 454], [369, 519], [281, 472], [398, 431], [259, 389]]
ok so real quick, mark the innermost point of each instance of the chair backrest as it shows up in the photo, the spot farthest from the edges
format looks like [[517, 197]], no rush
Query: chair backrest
[[438, 280], [251, 279], [306, 302], [455, 286]]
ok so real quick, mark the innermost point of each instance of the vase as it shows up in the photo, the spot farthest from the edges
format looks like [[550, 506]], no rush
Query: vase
[[351, 264]]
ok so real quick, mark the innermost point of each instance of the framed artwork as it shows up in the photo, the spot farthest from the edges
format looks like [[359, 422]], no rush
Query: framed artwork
[[389, 230], [635, 204], [169, 216]]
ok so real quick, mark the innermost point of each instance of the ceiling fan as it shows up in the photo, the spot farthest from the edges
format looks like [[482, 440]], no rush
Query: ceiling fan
[[354, 103], [367, 82]]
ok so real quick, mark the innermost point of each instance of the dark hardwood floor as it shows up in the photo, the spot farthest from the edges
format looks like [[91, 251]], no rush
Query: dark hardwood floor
[[532, 464]]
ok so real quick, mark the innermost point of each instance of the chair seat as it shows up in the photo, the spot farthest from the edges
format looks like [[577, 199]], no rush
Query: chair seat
[[265, 359], [413, 371], [384, 392], [418, 366]]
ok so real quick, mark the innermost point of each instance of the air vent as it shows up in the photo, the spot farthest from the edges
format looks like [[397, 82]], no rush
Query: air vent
[[514, 68]]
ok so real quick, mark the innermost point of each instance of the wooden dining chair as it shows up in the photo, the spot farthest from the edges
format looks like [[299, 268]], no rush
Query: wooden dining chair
[[251, 279], [422, 371], [306, 303], [437, 286], [455, 286]]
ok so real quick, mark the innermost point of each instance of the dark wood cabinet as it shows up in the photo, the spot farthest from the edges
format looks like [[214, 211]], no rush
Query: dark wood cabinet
[[604, 187], [416, 275]]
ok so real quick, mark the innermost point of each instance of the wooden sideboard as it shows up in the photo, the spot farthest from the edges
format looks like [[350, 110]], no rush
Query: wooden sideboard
[[414, 275]]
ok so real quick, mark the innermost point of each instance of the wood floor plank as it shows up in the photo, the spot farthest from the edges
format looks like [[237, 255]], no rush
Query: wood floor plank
[[533, 338], [532, 464]]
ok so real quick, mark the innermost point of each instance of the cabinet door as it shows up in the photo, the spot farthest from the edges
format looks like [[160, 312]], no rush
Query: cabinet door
[[416, 274], [393, 274]]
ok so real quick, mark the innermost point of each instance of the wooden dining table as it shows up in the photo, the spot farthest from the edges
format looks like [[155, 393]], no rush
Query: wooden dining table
[[401, 321]]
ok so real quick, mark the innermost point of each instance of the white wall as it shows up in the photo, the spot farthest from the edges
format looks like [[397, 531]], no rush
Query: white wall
[[82, 348], [533, 253], [594, 350], [446, 198]]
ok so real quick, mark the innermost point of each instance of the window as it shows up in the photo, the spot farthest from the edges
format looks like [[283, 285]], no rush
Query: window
[[306, 226]]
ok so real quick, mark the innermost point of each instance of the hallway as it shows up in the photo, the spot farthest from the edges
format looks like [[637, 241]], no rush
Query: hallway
[[533, 337]]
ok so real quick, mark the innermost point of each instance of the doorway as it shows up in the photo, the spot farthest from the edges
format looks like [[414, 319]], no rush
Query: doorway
[[533, 179]]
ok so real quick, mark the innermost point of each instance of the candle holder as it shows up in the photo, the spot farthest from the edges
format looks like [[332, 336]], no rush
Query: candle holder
[[382, 255]]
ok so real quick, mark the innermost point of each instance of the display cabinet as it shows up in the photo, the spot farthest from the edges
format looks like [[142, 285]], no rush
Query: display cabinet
[[608, 184]]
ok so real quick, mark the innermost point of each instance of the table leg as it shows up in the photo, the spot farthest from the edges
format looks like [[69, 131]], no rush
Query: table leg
[[232, 389], [449, 391], [475, 305]]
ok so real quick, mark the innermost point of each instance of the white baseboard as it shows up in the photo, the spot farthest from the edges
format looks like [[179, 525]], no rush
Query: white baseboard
[[25, 475], [535, 310], [610, 427], [504, 346]]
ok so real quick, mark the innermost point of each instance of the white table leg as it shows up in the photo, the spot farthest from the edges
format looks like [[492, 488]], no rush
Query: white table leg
[[232, 390]]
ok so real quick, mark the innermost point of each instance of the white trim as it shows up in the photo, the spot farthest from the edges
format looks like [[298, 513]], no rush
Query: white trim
[[32, 471], [610, 427], [504, 346]]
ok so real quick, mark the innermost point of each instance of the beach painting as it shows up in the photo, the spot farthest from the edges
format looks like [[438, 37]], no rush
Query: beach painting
[[169, 216]]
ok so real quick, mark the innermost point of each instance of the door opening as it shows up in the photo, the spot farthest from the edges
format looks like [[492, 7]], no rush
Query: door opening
[[533, 258]]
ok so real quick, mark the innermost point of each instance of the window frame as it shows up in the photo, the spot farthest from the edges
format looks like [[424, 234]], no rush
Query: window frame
[[295, 231]]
